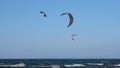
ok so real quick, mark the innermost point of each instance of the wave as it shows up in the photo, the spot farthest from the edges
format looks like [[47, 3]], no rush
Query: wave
[[75, 65], [98, 64], [45, 66], [15, 65]]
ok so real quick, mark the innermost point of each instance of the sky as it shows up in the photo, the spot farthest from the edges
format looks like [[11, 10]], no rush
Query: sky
[[25, 33]]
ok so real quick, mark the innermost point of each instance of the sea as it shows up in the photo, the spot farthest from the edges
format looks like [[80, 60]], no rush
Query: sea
[[59, 63]]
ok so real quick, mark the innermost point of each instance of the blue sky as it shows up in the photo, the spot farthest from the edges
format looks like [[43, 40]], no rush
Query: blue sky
[[24, 33]]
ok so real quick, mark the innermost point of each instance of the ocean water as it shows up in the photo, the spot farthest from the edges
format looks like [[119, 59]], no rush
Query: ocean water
[[59, 63]]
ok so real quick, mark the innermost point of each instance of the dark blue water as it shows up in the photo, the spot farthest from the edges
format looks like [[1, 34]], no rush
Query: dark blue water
[[61, 62]]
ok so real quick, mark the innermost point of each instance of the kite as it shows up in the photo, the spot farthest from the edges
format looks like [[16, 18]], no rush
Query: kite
[[43, 13], [70, 17], [73, 36]]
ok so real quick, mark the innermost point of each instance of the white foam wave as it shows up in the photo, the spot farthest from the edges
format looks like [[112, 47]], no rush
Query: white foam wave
[[74, 65], [15, 65]]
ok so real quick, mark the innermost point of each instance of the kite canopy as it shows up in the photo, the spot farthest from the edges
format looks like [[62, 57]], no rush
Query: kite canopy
[[73, 36], [70, 17], [43, 13]]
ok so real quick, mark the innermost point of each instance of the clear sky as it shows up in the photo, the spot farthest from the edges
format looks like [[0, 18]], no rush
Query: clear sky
[[25, 33]]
